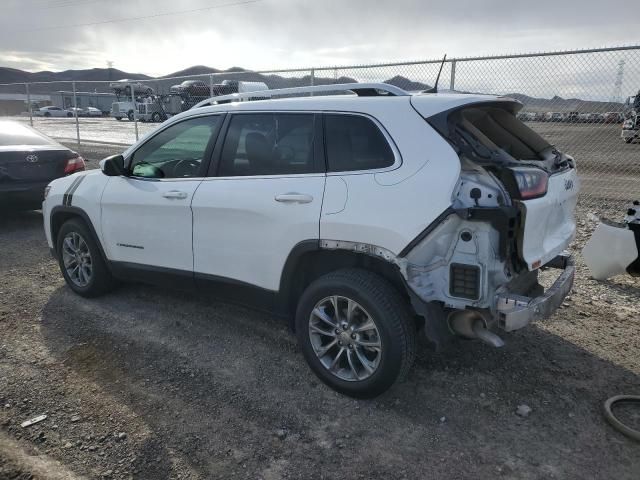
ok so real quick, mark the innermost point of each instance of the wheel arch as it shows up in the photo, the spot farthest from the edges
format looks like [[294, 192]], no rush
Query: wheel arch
[[308, 261], [61, 214]]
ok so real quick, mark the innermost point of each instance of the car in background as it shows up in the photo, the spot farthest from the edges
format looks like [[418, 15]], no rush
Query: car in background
[[92, 112], [194, 88], [572, 117], [527, 116], [73, 110], [53, 111], [594, 118], [30, 160], [553, 117], [613, 117], [123, 87]]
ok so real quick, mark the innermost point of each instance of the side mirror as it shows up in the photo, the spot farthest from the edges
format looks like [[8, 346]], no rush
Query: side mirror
[[113, 166]]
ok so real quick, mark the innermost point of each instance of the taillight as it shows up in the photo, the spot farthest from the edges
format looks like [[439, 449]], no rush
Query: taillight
[[75, 164], [531, 182]]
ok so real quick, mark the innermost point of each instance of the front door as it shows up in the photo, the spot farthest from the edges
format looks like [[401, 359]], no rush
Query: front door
[[146, 216]]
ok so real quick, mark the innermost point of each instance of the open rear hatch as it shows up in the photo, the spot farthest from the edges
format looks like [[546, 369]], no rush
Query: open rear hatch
[[540, 180]]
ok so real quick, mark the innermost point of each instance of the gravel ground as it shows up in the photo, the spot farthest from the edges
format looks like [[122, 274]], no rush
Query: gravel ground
[[149, 383]]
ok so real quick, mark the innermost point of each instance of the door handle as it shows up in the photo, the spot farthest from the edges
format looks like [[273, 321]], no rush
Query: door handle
[[175, 194], [294, 197]]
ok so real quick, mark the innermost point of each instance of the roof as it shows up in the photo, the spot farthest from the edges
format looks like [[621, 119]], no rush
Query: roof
[[427, 104]]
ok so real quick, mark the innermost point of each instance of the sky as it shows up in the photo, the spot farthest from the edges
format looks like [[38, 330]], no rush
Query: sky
[[267, 34]]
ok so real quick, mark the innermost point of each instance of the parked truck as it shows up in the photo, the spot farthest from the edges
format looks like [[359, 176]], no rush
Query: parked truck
[[631, 124]]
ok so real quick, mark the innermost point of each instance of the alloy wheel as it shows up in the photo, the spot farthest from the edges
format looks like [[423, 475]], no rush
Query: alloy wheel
[[76, 258], [345, 338]]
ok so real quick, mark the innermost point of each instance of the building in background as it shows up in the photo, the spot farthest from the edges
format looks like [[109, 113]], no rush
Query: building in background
[[101, 101], [16, 103]]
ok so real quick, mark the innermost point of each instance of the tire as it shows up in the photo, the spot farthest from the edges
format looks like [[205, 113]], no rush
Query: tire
[[69, 114], [156, 117], [47, 114], [378, 301], [118, 118], [130, 115], [100, 280]]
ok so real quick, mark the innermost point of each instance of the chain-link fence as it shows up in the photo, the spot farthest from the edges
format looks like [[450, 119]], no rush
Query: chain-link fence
[[575, 99]]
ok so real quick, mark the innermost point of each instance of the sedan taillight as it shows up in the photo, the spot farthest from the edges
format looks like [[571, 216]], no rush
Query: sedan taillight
[[75, 164]]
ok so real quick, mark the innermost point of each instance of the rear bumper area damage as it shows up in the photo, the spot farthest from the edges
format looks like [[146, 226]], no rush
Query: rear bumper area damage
[[514, 311]]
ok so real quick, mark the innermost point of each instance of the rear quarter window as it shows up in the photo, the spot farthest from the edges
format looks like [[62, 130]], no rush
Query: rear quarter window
[[354, 142]]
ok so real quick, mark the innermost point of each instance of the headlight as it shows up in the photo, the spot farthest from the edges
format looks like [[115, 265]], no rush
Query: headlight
[[46, 191]]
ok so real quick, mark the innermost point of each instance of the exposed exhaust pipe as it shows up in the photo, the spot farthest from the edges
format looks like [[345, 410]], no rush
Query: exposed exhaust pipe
[[471, 324]]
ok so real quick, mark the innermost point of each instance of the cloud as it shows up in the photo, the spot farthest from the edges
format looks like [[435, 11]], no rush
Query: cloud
[[294, 33]]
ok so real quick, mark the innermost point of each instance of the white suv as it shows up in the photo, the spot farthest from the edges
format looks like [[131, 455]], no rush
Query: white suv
[[367, 219]]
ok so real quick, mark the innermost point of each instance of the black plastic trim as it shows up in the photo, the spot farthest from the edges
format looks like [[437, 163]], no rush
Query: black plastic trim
[[79, 213], [161, 276]]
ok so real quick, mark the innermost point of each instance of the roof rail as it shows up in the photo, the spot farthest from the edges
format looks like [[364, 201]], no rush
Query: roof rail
[[360, 89]]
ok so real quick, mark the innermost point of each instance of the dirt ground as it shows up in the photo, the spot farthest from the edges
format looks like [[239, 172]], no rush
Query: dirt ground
[[149, 383]]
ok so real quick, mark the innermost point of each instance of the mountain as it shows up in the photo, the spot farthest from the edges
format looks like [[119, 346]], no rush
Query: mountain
[[83, 79], [563, 105], [13, 75]]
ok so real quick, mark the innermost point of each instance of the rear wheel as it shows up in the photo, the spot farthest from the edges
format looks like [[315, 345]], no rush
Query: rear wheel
[[47, 114], [130, 115], [118, 118], [156, 117], [80, 260], [355, 332]]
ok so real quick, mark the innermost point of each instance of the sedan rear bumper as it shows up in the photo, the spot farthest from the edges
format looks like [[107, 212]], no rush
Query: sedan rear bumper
[[18, 193], [515, 311]]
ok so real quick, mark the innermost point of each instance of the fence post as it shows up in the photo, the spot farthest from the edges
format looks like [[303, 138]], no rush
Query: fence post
[[211, 85], [29, 105], [312, 79], [135, 109], [452, 81], [75, 112]]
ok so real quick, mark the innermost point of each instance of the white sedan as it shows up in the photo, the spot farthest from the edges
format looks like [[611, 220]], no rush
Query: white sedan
[[52, 111], [92, 112]]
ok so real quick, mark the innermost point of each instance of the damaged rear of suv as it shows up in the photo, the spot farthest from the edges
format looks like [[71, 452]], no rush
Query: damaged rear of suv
[[512, 214]]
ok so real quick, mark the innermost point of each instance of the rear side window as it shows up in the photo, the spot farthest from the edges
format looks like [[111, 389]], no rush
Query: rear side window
[[268, 144], [354, 142]]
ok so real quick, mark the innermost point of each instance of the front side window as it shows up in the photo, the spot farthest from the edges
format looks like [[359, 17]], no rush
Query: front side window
[[354, 142], [176, 152], [268, 144]]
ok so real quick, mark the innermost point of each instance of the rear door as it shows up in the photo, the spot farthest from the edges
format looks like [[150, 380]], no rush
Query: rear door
[[263, 199]]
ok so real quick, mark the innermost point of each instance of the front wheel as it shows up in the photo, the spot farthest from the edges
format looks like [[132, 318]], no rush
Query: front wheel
[[80, 260], [156, 117], [130, 115], [356, 332]]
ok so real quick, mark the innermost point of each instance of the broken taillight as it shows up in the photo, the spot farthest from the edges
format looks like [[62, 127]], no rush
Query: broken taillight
[[531, 182], [74, 164]]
